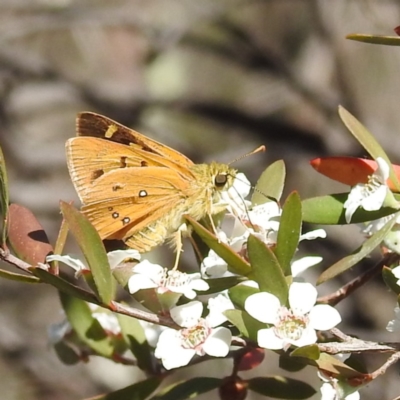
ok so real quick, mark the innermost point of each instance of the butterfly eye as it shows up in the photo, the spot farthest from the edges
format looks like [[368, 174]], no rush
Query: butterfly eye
[[220, 180]]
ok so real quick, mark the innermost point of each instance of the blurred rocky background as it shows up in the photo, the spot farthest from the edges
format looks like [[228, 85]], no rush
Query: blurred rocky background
[[213, 79]]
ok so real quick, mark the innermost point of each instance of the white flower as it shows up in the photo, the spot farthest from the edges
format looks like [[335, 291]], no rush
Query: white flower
[[114, 258], [58, 331], [263, 222], [198, 336], [302, 264], [394, 325], [291, 326], [147, 275], [72, 262], [235, 195], [333, 389], [370, 196]]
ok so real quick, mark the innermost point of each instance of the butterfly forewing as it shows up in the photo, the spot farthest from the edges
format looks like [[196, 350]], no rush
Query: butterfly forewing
[[89, 159], [95, 125]]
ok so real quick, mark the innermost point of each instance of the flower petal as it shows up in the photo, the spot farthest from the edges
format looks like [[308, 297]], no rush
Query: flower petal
[[302, 297], [266, 338], [324, 317], [218, 343], [137, 282], [72, 262], [308, 337], [263, 306], [187, 314], [117, 256]]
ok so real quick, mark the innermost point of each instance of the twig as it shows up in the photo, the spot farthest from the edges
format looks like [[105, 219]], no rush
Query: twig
[[348, 288]]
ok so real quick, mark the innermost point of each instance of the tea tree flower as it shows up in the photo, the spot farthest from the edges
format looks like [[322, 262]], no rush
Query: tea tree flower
[[114, 258], [147, 275], [333, 389], [370, 196], [394, 324], [294, 325], [198, 336]]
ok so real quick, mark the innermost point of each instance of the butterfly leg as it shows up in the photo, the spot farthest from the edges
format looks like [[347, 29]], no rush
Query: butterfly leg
[[178, 245]]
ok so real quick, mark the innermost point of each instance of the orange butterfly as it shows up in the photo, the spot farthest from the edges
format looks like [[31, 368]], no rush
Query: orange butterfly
[[137, 190]]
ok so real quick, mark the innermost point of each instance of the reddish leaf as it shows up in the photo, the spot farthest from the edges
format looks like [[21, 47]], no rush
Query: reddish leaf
[[349, 170], [27, 236]]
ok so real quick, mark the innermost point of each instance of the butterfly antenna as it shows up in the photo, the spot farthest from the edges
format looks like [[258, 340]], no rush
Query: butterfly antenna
[[257, 150]]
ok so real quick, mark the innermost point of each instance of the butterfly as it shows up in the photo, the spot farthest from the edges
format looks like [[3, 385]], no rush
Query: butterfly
[[135, 189]]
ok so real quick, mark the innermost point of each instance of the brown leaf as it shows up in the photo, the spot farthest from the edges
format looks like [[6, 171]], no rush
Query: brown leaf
[[27, 236]]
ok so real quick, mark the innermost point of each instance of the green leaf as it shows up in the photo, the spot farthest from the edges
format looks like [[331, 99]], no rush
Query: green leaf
[[135, 338], [335, 367], [366, 140], [328, 210], [245, 323], [236, 264], [239, 294], [266, 269], [4, 197], [390, 280], [375, 39], [66, 353], [291, 364], [64, 286], [87, 328], [93, 249], [220, 284], [311, 352], [12, 276], [188, 389], [289, 232], [270, 184], [280, 387], [347, 262], [137, 391]]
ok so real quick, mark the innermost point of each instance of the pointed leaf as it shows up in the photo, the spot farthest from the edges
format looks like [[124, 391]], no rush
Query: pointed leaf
[[188, 389], [266, 269], [4, 197], [328, 210], [375, 39], [270, 184], [87, 328], [64, 286], [245, 323], [311, 352], [390, 280], [93, 249], [221, 284], [137, 391], [291, 364], [236, 264], [289, 232], [347, 262], [240, 293], [334, 367], [366, 140], [67, 353], [12, 276], [349, 170], [27, 236], [135, 338], [281, 387]]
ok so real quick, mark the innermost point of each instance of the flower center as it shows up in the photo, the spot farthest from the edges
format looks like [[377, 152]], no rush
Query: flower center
[[174, 279], [289, 325], [194, 336]]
